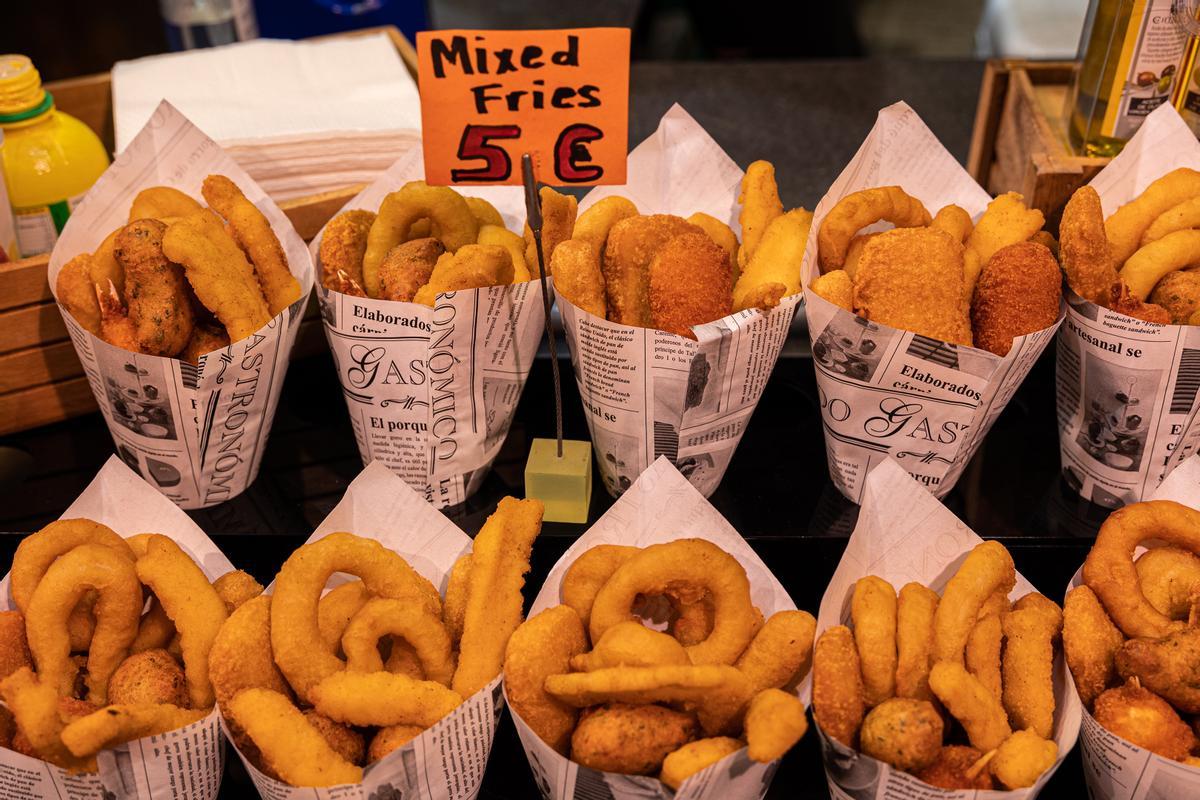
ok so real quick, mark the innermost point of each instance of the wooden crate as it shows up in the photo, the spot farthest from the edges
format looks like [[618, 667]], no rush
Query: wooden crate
[[41, 380], [1019, 143]]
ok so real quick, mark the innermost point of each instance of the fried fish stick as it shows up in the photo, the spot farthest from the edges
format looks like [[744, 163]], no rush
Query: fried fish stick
[[514, 244], [407, 267], [631, 245], [1126, 226], [485, 213], [873, 612], [577, 275], [982, 653], [773, 272], [160, 202], [760, 206], [1030, 631], [558, 222], [1086, 254], [837, 287], [1149, 264], [953, 220], [454, 606], [117, 724], [1090, 644], [77, 294], [722, 234], [155, 289], [343, 244], [915, 608], [986, 570], [383, 699], [690, 281], [473, 266], [780, 651], [859, 209], [969, 701], [292, 748], [499, 561], [253, 233], [218, 272], [1006, 221], [837, 688]]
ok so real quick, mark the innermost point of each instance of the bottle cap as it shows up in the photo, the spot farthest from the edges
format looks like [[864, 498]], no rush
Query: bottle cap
[[21, 92]]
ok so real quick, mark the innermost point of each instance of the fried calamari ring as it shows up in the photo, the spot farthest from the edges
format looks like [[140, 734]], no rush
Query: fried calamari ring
[[681, 764], [1126, 226], [1169, 577], [631, 644], [915, 608], [774, 722], [291, 747], [192, 604], [1109, 570], [837, 686], [117, 724], [543, 645], [38, 551], [685, 561], [35, 706], [484, 212], [162, 202], [589, 572], [155, 630], [420, 628], [1030, 631], [859, 209], [240, 657], [780, 651], [987, 569], [335, 609], [342, 246], [454, 606], [1022, 759], [1177, 218], [499, 560], [456, 225], [499, 236], [383, 699], [296, 639], [118, 609], [577, 276], [873, 614], [1150, 263], [970, 702]]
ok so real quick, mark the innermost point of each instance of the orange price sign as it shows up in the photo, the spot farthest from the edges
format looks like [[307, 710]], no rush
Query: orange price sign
[[487, 97]]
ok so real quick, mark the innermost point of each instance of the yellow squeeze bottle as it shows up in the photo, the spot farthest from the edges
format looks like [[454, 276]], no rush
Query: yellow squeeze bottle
[[50, 159]]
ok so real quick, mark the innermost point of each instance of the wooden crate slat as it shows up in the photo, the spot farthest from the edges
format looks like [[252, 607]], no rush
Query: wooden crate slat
[[35, 366], [24, 282], [31, 326], [42, 405]]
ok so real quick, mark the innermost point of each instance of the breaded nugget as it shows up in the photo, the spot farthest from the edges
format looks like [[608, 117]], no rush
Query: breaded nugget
[[218, 271], [1090, 643], [558, 223], [1030, 632], [484, 212], [1022, 759], [1142, 717], [161, 202], [473, 266], [155, 291], [1127, 224], [873, 612], [345, 741], [343, 244], [594, 224], [514, 244], [760, 202], [1007, 220], [1087, 257], [1019, 292], [77, 294], [206, 337], [690, 282], [407, 267], [1178, 293], [837, 287], [543, 645], [150, 676], [632, 740], [722, 234], [953, 220], [253, 233], [773, 272], [859, 209], [577, 275], [912, 279], [631, 246], [952, 769], [1123, 301], [837, 686], [14, 647]]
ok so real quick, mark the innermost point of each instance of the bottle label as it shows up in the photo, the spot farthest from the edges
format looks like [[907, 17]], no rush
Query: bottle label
[[38, 227], [1148, 62]]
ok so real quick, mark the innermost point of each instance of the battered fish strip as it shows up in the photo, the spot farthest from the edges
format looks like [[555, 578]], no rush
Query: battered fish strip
[[631, 246], [161, 203], [773, 272], [1007, 220], [1087, 257], [473, 266], [558, 222], [1030, 631], [982, 653], [1090, 643], [343, 244], [760, 206], [837, 690], [969, 701], [690, 282], [577, 276], [253, 233], [155, 290], [77, 294], [988, 569], [407, 267], [859, 209], [514, 244]]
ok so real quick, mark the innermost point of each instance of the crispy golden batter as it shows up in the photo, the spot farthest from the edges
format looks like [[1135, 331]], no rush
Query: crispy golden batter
[[1123, 301], [695, 756], [161, 202], [577, 275], [873, 613], [343, 244], [915, 607], [970, 702], [760, 206], [904, 733], [912, 279], [240, 657], [631, 246], [1169, 667], [1127, 224], [780, 652], [77, 294], [235, 588], [837, 287], [594, 224], [514, 244], [253, 233], [1149, 264], [1142, 717], [105, 267], [1177, 218], [1090, 642], [1007, 220], [632, 740], [690, 281], [1030, 632], [344, 740], [1169, 577], [854, 252], [631, 644], [407, 267], [987, 570], [14, 647], [1087, 257], [1179, 294], [155, 290], [775, 721], [1022, 759], [589, 572], [393, 737], [982, 653], [206, 337], [472, 266], [953, 220], [416, 200], [454, 606], [558, 223], [773, 272], [952, 769], [150, 676], [720, 233], [543, 645], [1019, 292], [37, 707], [859, 209], [837, 688], [484, 212]]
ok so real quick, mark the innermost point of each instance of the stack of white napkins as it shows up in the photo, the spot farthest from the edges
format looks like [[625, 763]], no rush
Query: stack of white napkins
[[300, 117]]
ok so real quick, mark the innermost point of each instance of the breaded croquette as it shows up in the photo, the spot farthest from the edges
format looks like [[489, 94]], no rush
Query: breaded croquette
[[150, 676], [631, 246], [407, 267], [690, 283], [1019, 292], [343, 244]]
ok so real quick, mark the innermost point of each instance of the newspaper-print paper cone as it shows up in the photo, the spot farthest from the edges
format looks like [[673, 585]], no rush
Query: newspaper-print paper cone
[[1114, 767], [1127, 388], [183, 764], [649, 393], [887, 392], [661, 506], [196, 433], [445, 762], [904, 534], [432, 391]]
